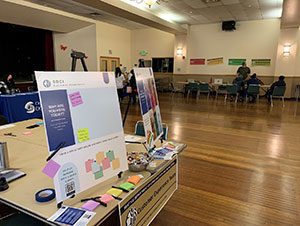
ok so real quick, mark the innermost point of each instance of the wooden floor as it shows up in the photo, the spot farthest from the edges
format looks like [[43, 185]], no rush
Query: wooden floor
[[242, 164]]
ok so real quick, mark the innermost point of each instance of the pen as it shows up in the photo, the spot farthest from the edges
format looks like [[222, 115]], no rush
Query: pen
[[123, 189], [61, 145], [116, 197]]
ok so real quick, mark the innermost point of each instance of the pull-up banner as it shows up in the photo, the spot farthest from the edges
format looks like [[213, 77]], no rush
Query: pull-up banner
[[82, 117]]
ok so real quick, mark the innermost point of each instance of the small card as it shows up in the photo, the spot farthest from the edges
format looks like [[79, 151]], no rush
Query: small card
[[95, 167], [51, 168], [105, 163], [99, 157], [114, 191], [72, 216], [88, 165], [106, 198], [127, 186], [98, 174], [75, 99], [90, 205], [83, 135]]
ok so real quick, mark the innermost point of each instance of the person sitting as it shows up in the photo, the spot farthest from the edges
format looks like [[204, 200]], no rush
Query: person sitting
[[239, 82], [252, 81], [280, 82], [10, 83]]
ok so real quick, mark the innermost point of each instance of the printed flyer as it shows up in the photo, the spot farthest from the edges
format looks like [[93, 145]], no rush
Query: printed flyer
[[149, 104], [82, 116]]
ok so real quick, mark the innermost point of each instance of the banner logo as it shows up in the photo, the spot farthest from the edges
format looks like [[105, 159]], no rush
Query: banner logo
[[46, 83], [131, 217], [29, 106]]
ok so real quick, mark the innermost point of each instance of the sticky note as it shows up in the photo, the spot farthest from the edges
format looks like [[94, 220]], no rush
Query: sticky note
[[115, 163], [27, 133], [95, 167], [88, 165], [90, 205], [134, 179], [100, 157], [110, 155], [127, 186], [51, 168], [106, 198], [98, 174], [105, 163], [75, 99], [83, 135], [39, 123], [114, 191]]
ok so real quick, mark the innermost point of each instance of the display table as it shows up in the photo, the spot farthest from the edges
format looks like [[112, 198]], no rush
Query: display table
[[21, 106], [29, 153]]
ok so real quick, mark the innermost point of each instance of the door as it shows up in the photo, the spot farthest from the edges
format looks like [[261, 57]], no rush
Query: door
[[109, 63]]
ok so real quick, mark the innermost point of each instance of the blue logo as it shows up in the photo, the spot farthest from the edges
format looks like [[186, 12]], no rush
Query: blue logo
[[46, 83]]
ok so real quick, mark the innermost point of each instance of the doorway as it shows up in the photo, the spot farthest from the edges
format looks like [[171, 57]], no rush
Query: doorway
[[109, 63]]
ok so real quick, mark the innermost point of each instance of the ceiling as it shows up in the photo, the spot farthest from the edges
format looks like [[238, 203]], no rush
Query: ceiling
[[90, 12], [179, 11], [199, 12]]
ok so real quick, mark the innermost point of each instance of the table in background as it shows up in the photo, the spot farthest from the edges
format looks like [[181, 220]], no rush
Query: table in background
[[21, 106]]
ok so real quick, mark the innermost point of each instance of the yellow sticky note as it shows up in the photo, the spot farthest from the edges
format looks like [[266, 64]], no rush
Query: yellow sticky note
[[115, 163], [83, 135], [114, 191], [99, 157]]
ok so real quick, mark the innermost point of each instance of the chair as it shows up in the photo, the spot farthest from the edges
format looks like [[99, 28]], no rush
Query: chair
[[175, 89], [192, 87], [139, 130], [204, 88], [278, 92], [3, 120], [252, 90], [232, 90], [221, 90]]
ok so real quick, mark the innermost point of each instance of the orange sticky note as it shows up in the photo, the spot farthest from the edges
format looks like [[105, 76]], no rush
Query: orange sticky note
[[99, 157], [116, 163], [134, 179]]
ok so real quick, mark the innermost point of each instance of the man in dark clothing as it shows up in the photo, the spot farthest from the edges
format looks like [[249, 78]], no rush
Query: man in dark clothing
[[244, 71], [252, 81], [132, 83], [280, 82], [239, 81]]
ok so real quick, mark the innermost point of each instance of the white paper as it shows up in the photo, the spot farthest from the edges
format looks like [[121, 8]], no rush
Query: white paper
[[7, 126]]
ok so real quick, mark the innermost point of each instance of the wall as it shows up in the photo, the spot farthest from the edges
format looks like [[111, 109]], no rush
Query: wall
[[156, 42], [252, 39], [116, 39], [83, 40]]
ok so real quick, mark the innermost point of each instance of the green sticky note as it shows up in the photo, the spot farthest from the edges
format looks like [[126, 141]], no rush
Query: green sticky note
[[83, 135], [98, 174], [111, 155], [127, 186]]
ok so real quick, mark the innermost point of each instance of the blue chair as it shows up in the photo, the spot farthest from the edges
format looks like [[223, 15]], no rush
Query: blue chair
[[204, 88], [231, 90], [252, 90], [139, 130], [192, 87], [278, 92]]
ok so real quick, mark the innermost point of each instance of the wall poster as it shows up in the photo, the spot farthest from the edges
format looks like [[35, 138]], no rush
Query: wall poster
[[215, 61]]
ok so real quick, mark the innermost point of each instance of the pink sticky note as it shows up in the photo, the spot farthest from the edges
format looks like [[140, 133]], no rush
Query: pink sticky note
[[88, 165], [105, 163], [51, 168], [106, 198], [90, 205], [75, 99], [27, 133]]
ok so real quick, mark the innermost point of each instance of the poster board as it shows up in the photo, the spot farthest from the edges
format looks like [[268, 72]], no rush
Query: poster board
[[81, 109], [149, 105], [142, 206]]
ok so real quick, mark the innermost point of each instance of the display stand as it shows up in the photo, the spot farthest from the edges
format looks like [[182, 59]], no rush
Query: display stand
[[78, 56]]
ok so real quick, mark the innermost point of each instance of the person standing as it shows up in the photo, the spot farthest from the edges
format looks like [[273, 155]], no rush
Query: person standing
[[119, 82], [10, 83], [132, 83], [244, 71]]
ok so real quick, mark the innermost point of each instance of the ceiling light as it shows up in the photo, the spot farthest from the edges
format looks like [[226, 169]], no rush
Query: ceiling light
[[149, 3], [210, 1]]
